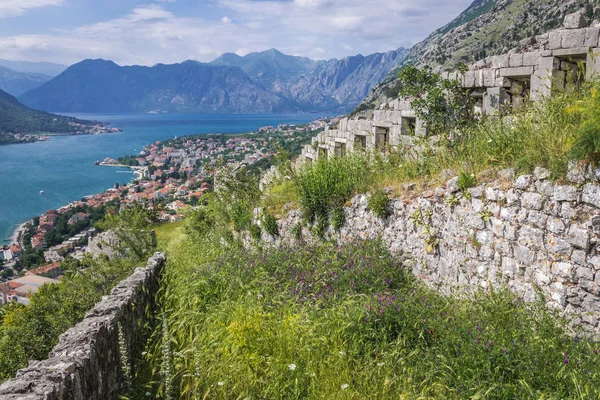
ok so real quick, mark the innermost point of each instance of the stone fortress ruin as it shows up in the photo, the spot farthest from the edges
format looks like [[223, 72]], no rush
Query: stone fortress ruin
[[555, 61]]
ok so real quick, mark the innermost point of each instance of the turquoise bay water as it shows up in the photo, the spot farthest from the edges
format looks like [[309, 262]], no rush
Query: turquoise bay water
[[64, 166]]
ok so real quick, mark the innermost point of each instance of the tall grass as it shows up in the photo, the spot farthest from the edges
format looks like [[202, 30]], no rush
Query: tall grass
[[348, 322], [328, 184]]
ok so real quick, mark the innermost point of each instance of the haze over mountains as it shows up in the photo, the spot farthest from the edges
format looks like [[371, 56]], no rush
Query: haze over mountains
[[265, 82]]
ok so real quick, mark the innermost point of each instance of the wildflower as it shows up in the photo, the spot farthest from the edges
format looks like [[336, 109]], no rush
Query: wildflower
[[381, 364], [344, 386], [292, 367], [313, 375], [342, 353], [504, 350], [148, 394], [220, 383], [490, 344]]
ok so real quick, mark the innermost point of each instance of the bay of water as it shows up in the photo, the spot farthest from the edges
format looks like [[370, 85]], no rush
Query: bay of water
[[64, 166]]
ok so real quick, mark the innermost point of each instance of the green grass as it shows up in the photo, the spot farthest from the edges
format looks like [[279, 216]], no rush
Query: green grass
[[548, 134], [348, 322]]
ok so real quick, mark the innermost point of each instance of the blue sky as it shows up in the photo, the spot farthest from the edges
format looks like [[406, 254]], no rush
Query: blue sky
[[168, 31]]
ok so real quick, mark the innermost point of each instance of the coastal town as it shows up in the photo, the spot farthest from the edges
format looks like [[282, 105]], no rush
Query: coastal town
[[170, 177]]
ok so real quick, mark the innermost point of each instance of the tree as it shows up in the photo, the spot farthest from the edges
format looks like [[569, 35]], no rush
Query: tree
[[133, 227], [443, 104]]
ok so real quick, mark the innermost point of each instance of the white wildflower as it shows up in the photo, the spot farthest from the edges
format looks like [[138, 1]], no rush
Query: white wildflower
[[342, 353], [292, 367], [381, 364], [220, 383], [313, 375], [344, 386], [148, 394]]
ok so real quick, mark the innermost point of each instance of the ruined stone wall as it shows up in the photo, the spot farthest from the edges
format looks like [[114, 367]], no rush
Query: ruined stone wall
[[87, 363], [555, 61], [527, 233]]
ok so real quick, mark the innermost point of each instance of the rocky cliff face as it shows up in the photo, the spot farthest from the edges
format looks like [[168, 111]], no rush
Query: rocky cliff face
[[487, 27], [341, 84]]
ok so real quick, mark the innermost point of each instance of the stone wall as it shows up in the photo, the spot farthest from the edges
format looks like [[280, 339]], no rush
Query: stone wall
[[529, 234], [87, 362], [555, 61]]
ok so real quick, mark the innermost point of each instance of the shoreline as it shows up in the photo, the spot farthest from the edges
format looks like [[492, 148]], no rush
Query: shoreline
[[17, 233]]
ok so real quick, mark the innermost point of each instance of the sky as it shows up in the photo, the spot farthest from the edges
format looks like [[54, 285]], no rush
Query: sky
[[170, 31]]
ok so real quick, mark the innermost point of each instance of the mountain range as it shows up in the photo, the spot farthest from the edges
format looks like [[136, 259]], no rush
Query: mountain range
[[265, 82]]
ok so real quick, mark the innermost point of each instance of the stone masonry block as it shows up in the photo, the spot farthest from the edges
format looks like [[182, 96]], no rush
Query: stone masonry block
[[516, 60], [555, 40], [516, 72], [531, 58], [591, 36], [575, 20], [593, 64], [573, 38], [489, 77]]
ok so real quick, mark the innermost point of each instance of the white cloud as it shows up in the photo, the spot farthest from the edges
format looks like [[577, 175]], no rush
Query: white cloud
[[314, 28], [12, 8]]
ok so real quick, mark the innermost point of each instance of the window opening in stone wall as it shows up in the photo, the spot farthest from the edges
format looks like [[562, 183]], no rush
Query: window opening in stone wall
[[340, 149], [360, 142], [382, 138], [322, 153], [409, 126]]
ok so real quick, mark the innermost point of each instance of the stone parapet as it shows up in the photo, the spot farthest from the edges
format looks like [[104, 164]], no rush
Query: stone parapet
[[87, 363]]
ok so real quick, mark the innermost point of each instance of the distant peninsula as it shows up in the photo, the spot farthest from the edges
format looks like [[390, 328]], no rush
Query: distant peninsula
[[20, 124]]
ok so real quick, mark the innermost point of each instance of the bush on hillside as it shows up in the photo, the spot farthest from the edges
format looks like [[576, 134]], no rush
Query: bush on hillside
[[327, 184]]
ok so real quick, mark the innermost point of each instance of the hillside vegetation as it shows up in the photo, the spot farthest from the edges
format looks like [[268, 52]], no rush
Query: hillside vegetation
[[16, 118]]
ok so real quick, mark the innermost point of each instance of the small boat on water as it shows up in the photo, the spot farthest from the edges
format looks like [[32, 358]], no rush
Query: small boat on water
[[41, 192]]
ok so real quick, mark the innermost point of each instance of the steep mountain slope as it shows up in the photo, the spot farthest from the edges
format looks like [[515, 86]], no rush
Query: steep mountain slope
[[333, 85], [44, 68], [341, 84], [103, 86], [487, 27], [16, 118], [17, 83], [271, 69]]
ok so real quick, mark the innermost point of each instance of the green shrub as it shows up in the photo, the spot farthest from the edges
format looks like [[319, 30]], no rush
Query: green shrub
[[240, 216], [466, 181], [327, 184], [587, 141], [338, 218], [255, 232], [378, 203], [296, 231], [320, 227], [269, 224]]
